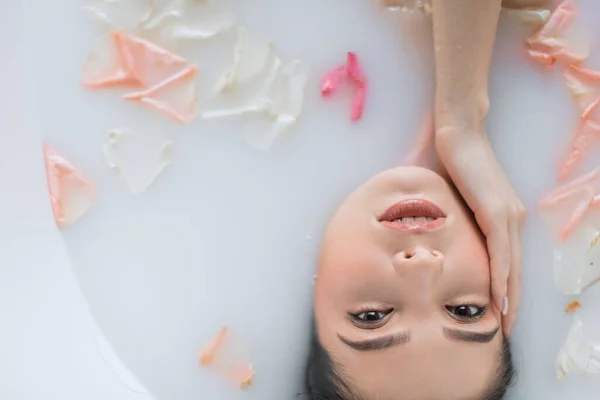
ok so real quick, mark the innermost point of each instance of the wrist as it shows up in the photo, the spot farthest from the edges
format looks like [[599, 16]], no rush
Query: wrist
[[461, 114]]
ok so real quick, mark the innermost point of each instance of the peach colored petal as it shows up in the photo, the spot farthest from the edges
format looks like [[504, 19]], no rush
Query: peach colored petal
[[148, 63], [132, 61], [243, 376], [588, 131], [563, 209], [174, 97], [572, 307], [584, 85], [589, 181], [226, 355], [71, 194], [105, 66], [541, 57], [561, 37], [208, 354]]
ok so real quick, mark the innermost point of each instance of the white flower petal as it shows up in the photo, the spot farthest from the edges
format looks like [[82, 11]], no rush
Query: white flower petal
[[250, 57], [577, 261], [124, 14], [533, 17], [580, 352], [190, 20], [138, 159]]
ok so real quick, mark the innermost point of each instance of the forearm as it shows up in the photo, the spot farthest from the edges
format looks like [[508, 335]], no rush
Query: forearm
[[464, 34]]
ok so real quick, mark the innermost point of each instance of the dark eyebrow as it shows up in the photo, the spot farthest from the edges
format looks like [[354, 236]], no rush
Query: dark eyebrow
[[472, 337], [379, 343]]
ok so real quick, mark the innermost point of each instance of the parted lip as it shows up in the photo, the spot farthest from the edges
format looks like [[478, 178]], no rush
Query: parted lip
[[413, 215]]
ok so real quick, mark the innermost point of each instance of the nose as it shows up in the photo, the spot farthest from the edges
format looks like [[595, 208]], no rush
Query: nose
[[419, 260]]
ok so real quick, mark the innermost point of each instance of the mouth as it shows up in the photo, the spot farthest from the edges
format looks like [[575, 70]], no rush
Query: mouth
[[413, 215]]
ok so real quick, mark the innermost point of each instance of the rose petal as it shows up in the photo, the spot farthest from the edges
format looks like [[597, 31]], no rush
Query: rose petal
[[122, 14], [175, 97], [71, 193], [137, 159]]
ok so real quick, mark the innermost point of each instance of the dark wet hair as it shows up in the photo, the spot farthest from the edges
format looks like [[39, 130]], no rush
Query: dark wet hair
[[324, 379]]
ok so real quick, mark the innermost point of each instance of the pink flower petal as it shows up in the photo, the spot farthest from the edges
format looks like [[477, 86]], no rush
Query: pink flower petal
[[355, 71], [174, 97], [71, 194], [563, 209], [358, 102], [332, 79], [560, 38], [589, 130]]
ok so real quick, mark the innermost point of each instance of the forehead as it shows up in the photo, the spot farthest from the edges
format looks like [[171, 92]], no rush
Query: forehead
[[435, 369]]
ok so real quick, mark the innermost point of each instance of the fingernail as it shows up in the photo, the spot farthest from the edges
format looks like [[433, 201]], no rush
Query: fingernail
[[505, 305]]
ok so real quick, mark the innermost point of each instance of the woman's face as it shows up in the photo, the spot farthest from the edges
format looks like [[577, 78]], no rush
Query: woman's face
[[404, 306]]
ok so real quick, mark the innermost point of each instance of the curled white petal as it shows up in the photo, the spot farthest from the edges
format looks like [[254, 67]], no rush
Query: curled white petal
[[190, 20], [286, 97], [533, 17], [577, 261], [580, 352], [124, 14], [250, 57], [137, 159]]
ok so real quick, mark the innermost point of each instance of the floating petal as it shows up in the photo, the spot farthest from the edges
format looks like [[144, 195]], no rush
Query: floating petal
[[122, 14], [561, 36], [228, 356], [533, 17], [563, 209], [175, 97], [580, 352], [71, 193], [250, 57], [190, 20], [137, 159]]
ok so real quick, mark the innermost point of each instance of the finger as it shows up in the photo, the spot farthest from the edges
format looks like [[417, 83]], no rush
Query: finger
[[514, 279], [498, 242]]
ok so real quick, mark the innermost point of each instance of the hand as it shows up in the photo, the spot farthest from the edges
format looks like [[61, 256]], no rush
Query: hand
[[472, 166]]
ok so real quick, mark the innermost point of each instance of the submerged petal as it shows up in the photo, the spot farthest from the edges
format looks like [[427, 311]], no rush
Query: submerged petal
[[71, 193], [227, 355], [137, 159]]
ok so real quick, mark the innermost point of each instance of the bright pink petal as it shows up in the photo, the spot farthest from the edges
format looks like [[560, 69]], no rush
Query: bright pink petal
[[358, 102], [355, 71], [332, 79]]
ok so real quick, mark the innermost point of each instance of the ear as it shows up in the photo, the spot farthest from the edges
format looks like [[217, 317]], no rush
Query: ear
[[423, 150]]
